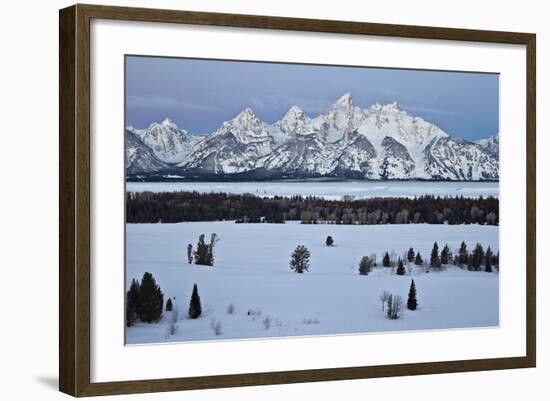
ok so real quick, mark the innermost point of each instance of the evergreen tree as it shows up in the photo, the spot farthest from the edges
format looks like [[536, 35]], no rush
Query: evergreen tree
[[365, 266], [463, 254], [435, 261], [410, 255], [189, 253], [411, 301], [418, 259], [195, 308], [169, 305], [299, 260], [477, 257], [445, 255], [151, 299], [202, 252], [488, 260], [132, 303], [400, 268], [386, 262]]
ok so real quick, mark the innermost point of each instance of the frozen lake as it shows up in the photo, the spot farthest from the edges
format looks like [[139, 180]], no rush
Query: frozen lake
[[251, 272], [328, 189]]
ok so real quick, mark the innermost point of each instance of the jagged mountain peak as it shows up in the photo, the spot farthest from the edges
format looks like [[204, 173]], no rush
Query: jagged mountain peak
[[392, 107], [167, 122], [379, 142], [346, 100], [294, 121], [245, 117], [294, 111]]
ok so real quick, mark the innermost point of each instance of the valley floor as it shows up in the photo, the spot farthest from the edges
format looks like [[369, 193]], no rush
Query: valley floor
[[251, 272], [329, 189]]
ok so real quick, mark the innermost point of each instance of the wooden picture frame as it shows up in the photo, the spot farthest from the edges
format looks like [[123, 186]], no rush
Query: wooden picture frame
[[75, 207]]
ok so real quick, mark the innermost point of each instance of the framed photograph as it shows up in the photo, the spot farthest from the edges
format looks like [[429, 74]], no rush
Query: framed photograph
[[250, 200]]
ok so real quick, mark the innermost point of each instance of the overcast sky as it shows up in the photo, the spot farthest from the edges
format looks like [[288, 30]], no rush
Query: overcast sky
[[200, 94]]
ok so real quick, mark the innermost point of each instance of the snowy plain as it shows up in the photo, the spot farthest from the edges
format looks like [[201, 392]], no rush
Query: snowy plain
[[329, 189], [251, 272]]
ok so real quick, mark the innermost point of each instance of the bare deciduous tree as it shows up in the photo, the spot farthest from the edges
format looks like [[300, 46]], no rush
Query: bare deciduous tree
[[384, 296]]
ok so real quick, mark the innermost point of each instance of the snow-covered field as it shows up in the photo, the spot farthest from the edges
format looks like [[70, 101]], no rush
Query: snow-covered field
[[328, 189], [251, 272]]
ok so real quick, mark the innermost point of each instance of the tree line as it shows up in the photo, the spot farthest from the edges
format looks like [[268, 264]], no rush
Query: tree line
[[174, 207]]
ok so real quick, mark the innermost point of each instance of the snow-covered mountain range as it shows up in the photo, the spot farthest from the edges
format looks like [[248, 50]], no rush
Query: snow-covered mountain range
[[380, 142]]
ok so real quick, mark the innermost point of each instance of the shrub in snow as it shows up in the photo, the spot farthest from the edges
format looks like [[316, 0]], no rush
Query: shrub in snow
[[254, 312], [329, 241], [410, 255], [189, 253], [231, 309], [169, 305], [411, 301], [266, 322], [386, 262], [400, 268], [384, 297], [395, 306], [365, 266], [132, 303], [216, 326], [172, 325], [299, 260], [373, 259], [393, 258], [151, 299], [195, 308], [311, 321]]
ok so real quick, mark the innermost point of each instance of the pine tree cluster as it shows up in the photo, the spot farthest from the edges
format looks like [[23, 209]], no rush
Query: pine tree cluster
[[204, 252], [144, 301]]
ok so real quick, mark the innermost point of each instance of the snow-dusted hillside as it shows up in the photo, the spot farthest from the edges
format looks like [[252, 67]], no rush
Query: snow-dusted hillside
[[168, 143], [379, 142], [251, 272], [139, 157], [491, 144]]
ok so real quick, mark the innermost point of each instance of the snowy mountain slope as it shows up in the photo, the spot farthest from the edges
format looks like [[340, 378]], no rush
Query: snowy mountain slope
[[301, 155], [139, 158], [169, 143], [491, 144], [395, 160], [233, 148], [379, 142], [356, 158], [455, 159]]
